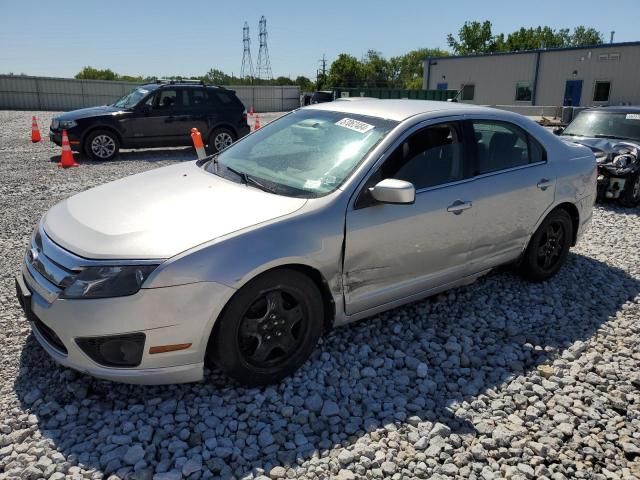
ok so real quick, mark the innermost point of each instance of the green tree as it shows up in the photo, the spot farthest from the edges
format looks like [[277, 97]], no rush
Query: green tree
[[305, 84], [583, 36], [407, 71], [90, 73], [345, 71], [375, 70], [473, 37]]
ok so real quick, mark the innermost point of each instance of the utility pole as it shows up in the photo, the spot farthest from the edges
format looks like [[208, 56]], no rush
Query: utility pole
[[263, 70], [613, 32], [323, 62], [246, 71]]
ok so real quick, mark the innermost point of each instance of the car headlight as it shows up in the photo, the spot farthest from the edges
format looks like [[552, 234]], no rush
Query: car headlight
[[67, 124], [107, 281], [620, 161]]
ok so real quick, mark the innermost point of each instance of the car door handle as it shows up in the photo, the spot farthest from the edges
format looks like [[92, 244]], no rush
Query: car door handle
[[458, 207], [544, 184]]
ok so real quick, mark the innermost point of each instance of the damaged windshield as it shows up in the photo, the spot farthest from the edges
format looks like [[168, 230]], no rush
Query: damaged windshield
[[307, 153], [622, 126]]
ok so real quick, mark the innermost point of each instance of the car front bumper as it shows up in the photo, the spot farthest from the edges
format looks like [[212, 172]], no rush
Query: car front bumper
[[55, 136], [181, 314]]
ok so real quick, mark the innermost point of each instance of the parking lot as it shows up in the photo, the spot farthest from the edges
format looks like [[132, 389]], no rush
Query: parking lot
[[500, 379]]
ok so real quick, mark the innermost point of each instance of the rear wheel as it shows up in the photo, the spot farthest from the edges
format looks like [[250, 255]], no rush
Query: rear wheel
[[548, 247], [101, 145], [269, 328], [630, 196], [220, 139]]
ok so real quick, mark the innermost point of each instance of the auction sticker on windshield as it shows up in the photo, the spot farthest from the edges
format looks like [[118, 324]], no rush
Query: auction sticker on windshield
[[633, 116], [356, 125]]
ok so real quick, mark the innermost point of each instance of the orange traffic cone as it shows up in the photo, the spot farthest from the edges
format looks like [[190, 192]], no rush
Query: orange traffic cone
[[66, 158], [196, 138], [251, 111], [256, 124], [35, 132]]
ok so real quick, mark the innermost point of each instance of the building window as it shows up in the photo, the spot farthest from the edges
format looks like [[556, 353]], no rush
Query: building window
[[601, 91], [468, 92], [614, 56], [523, 92], [603, 57]]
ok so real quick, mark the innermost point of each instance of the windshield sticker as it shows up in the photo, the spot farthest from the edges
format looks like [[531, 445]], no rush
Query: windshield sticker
[[633, 116], [355, 125], [312, 184]]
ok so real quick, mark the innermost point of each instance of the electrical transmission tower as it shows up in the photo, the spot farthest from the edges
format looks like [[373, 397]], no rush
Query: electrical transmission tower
[[247, 64], [263, 70]]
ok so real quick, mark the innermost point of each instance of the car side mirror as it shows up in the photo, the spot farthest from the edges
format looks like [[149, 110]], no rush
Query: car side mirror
[[558, 131], [391, 190]]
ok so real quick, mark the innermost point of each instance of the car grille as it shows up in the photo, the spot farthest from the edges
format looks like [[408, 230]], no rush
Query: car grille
[[36, 259], [50, 336]]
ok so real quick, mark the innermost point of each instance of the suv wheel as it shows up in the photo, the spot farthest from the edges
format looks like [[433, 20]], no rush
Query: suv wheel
[[101, 145], [220, 139]]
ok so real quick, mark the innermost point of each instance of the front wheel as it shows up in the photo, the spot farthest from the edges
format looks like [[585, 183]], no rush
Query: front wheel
[[220, 139], [548, 247], [630, 196], [269, 328], [101, 145]]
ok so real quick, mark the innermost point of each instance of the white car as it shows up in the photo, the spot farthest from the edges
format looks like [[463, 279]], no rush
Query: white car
[[327, 215]]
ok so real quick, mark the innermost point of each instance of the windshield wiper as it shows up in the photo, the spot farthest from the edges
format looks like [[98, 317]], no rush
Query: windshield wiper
[[247, 179]]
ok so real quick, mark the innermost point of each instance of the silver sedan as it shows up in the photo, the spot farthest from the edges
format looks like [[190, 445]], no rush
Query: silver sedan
[[330, 214]]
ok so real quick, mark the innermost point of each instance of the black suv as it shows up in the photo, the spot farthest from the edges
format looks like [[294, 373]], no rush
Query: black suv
[[159, 114]]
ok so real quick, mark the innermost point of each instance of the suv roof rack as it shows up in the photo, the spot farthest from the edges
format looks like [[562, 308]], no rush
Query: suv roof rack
[[166, 81]]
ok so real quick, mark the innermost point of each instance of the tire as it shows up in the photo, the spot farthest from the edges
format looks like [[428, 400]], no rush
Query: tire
[[630, 196], [268, 329], [548, 248], [101, 145], [220, 139]]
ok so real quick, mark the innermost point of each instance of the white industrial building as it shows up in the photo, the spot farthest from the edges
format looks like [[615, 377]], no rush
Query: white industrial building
[[607, 74]]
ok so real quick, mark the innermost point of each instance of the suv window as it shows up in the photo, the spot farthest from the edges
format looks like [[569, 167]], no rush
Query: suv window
[[166, 99], [502, 145], [432, 156], [196, 98], [226, 99]]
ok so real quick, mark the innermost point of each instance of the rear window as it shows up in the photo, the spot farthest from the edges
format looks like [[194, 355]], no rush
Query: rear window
[[224, 98]]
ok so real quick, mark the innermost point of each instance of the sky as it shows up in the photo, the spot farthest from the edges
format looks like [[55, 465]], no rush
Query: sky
[[163, 38]]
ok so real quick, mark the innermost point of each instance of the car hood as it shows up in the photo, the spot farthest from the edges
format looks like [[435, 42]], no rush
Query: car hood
[[160, 213], [606, 145], [88, 112]]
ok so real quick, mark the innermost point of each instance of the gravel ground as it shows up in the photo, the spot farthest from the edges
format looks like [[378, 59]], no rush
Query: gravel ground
[[501, 379]]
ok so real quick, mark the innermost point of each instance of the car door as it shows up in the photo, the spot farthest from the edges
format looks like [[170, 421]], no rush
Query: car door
[[158, 124], [395, 251], [514, 186]]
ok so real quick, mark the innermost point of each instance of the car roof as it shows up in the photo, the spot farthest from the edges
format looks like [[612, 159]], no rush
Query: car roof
[[399, 110], [617, 109]]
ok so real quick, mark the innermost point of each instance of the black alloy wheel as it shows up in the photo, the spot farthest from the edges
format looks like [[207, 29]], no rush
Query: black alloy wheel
[[269, 328], [548, 247]]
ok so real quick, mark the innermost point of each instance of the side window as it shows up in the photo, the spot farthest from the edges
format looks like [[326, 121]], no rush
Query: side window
[[195, 99], [501, 145], [166, 99], [432, 156], [222, 98]]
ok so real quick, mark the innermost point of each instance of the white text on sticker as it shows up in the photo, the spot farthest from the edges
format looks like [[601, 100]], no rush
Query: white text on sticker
[[633, 116]]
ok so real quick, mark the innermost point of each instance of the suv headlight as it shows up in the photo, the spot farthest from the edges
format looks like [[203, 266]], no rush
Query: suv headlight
[[67, 124], [107, 281]]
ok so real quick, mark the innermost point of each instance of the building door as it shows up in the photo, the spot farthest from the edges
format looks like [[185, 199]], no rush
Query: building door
[[442, 86], [572, 93]]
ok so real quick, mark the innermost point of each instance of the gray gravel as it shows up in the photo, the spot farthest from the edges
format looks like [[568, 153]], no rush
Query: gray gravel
[[501, 379]]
